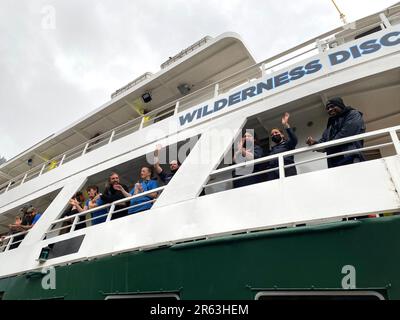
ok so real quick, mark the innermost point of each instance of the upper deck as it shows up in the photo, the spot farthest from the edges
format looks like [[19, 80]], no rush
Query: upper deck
[[253, 97], [207, 69]]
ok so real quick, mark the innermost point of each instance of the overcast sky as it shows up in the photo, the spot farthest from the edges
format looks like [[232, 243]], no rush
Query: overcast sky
[[60, 59]]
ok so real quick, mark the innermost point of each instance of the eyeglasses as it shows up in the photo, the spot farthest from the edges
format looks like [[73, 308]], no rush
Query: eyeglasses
[[330, 106]]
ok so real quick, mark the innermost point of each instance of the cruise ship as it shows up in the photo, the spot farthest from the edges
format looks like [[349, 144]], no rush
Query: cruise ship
[[325, 233]]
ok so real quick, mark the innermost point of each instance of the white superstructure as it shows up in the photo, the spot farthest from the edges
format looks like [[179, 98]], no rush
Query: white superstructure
[[226, 92]]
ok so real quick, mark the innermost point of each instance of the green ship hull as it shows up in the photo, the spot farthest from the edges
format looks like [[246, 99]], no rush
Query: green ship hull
[[303, 259]]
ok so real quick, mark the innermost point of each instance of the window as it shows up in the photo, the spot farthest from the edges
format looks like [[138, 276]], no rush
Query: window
[[147, 297], [98, 201], [319, 295], [309, 118], [22, 220]]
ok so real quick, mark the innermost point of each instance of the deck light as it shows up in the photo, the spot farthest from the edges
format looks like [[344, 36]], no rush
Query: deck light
[[147, 97], [44, 254], [184, 88]]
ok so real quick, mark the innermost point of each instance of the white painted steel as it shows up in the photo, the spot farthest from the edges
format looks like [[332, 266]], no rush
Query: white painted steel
[[365, 188], [323, 59], [369, 187]]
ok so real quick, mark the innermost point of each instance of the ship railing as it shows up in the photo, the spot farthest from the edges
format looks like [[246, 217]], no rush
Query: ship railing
[[213, 90], [72, 223], [12, 241], [388, 137]]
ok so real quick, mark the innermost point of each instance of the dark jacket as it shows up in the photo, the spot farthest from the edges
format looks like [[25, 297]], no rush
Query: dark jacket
[[349, 123], [166, 177], [111, 195], [258, 153], [286, 145]]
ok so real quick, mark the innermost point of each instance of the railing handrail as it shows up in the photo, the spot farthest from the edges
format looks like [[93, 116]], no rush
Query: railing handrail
[[190, 95], [315, 147], [108, 205], [11, 236]]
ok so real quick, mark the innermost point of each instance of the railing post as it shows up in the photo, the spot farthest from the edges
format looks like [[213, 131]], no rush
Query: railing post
[[62, 160], [177, 107], [216, 90], [85, 148], [43, 167], [141, 123], [74, 224], [385, 21], [112, 136], [396, 141], [110, 212], [281, 167], [8, 187], [263, 70], [9, 243], [319, 44], [24, 178]]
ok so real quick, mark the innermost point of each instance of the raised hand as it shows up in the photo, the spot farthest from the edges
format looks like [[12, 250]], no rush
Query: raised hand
[[158, 149], [285, 120], [73, 202]]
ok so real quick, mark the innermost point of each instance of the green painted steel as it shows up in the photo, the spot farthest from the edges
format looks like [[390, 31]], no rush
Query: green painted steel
[[237, 267]]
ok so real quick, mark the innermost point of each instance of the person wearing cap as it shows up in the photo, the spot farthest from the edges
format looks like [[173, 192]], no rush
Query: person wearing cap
[[35, 215], [343, 122], [282, 143], [30, 217]]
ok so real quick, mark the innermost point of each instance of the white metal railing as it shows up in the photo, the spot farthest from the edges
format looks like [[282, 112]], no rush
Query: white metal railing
[[12, 241], [391, 133], [172, 108], [69, 224]]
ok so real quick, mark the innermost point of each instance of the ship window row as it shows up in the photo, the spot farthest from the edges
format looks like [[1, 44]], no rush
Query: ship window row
[[126, 189]]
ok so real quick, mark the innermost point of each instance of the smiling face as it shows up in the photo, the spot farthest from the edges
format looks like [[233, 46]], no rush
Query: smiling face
[[333, 110], [114, 179], [92, 193], [248, 138], [174, 165], [145, 173]]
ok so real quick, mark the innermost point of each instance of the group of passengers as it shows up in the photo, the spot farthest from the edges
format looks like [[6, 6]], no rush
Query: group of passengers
[[116, 191], [27, 217], [344, 121]]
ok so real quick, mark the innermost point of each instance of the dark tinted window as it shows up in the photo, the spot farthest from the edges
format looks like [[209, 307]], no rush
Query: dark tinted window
[[321, 296]]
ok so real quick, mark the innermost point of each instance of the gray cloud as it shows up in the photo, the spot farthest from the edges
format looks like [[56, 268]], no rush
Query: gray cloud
[[52, 77]]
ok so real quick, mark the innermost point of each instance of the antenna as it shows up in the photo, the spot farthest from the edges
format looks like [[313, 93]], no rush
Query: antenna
[[342, 15]]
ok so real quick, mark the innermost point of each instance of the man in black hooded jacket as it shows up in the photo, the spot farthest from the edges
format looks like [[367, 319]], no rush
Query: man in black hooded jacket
[[343, 122]]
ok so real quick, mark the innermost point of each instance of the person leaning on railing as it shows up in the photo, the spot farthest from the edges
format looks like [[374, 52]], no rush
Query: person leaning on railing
[[30, 217], [145, 183], [72, 209], [94, 201], [282, 144], [113, 192], [344, 121], [247, 150]]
